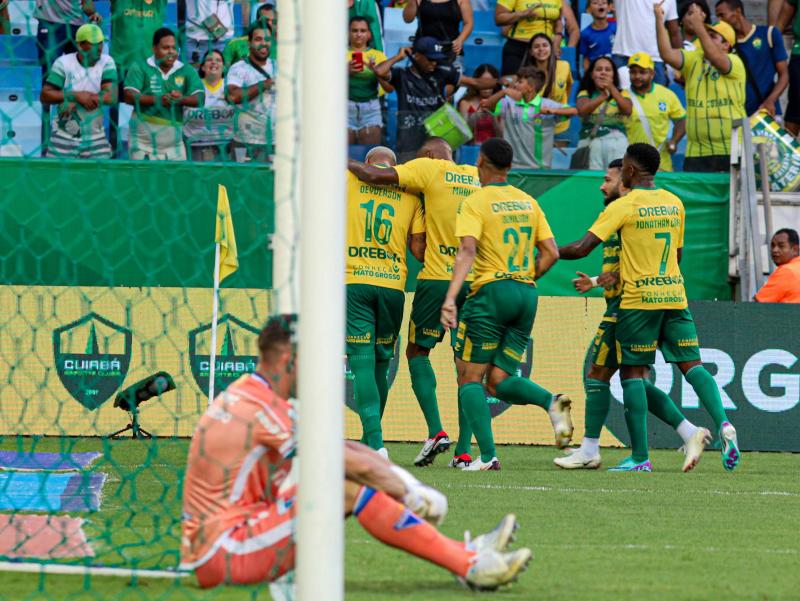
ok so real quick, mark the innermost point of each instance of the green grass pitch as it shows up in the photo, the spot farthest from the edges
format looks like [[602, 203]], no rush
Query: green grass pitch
[[596, 536]]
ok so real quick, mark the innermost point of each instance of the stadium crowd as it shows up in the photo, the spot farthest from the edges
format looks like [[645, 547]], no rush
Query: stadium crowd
[[635, 73]]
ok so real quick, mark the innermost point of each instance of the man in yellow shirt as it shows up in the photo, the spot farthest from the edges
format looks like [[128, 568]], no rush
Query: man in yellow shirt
[[653, 311], [444, 186], [715, 88], [499, 226], [381, 220], [654, 106]]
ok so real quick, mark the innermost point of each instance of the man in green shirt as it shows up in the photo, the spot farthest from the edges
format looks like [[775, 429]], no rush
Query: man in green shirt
[[239, 48], [159, 88], [133, 23]]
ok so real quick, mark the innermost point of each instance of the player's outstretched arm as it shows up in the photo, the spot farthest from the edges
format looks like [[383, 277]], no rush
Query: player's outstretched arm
[[546, 257], [378, 176], [580, 248], [364, 466]]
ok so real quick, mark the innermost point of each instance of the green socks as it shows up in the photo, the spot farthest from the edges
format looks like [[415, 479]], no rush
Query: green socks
[[708, 393], [516, 390], [382, 381], [473, 400], [660, 405], [635, 398], [598, 400], [368, 398], [423, 382], [464, 443]]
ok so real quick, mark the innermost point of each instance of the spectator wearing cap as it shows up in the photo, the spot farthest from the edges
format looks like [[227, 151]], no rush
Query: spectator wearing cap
[[59, 21], [635, 24], [364, 115], [764, 56], [523, 19], [421, 88], [654, 106], [250, 87], [783, 286], [449, 21], [159, 89], [715, 88], [369, 10], [81, 83]]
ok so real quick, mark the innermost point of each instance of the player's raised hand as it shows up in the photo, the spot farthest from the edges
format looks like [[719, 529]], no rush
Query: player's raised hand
[[583, 283], [449, 314]]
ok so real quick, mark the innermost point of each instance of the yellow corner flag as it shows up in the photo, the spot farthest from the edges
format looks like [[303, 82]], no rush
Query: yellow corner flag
[[225, 236]]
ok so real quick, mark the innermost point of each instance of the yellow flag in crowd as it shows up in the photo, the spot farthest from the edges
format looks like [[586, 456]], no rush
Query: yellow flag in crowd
[[225, 236]]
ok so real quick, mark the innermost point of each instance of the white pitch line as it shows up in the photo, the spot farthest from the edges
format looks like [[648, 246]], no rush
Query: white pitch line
[[636, 547], [55, 568], [758, 493]]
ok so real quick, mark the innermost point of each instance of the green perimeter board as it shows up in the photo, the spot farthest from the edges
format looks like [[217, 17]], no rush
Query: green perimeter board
[[121, 223]]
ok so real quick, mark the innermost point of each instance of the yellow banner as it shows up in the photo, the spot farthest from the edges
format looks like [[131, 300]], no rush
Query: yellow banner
[[67, 352]]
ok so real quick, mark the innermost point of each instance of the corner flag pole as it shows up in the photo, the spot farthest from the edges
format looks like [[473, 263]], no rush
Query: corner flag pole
[[214, 316]]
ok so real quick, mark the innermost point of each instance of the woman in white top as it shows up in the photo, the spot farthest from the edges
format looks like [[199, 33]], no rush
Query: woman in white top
[[208, 130]]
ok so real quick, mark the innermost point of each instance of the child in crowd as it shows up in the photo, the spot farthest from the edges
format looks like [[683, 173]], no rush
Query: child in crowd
[[598, 38], [529, 119], [484, 123]]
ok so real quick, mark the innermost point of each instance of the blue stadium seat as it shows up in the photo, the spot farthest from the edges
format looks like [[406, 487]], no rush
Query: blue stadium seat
[[20, 14], [21, 119], [103, 8], [391, 120], [171, 16], [238, 23], [484, 22], [358, 152], [679, 91], [395, 30], [468, 154], [570, 54], [483, 49], [20, 78], [18, 49]]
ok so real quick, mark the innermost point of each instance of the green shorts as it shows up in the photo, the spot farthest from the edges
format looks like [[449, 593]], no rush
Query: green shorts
[[496, 324], [640, 332], [374, 316], [425, 328], [603, 350]]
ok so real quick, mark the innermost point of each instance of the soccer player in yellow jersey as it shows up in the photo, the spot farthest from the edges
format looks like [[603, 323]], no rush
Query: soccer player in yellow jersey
[[603, 356], [499, 227], [653, 311], [381, 220], [444, 185]]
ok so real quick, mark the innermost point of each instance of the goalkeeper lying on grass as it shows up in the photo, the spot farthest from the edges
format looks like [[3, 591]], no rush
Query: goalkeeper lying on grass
[[238, 505]]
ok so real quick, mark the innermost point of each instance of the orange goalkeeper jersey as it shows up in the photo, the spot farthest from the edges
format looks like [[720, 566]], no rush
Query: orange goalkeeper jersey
[[241, 452]]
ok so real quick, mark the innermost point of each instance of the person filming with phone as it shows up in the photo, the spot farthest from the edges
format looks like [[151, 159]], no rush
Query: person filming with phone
[[364, 116]]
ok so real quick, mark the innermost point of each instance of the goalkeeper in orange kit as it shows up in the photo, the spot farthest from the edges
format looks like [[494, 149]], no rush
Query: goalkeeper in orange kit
[[238, 502]]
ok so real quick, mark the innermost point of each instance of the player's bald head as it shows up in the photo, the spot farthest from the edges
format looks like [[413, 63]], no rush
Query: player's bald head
[[436, 148], [381, 155]]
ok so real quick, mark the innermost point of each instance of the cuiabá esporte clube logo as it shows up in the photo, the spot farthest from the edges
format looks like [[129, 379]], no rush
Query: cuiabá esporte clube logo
[[237, 356], [92, 356]]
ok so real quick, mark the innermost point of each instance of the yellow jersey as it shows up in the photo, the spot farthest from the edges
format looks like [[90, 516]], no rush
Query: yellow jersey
[[562, 88], [545, 16], [507, 223], [379, 221], [713, 101], [660, 105], [650, 224], [443, 185]]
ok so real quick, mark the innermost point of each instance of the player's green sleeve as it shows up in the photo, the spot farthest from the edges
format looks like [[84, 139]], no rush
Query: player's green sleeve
[[136, 78]]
